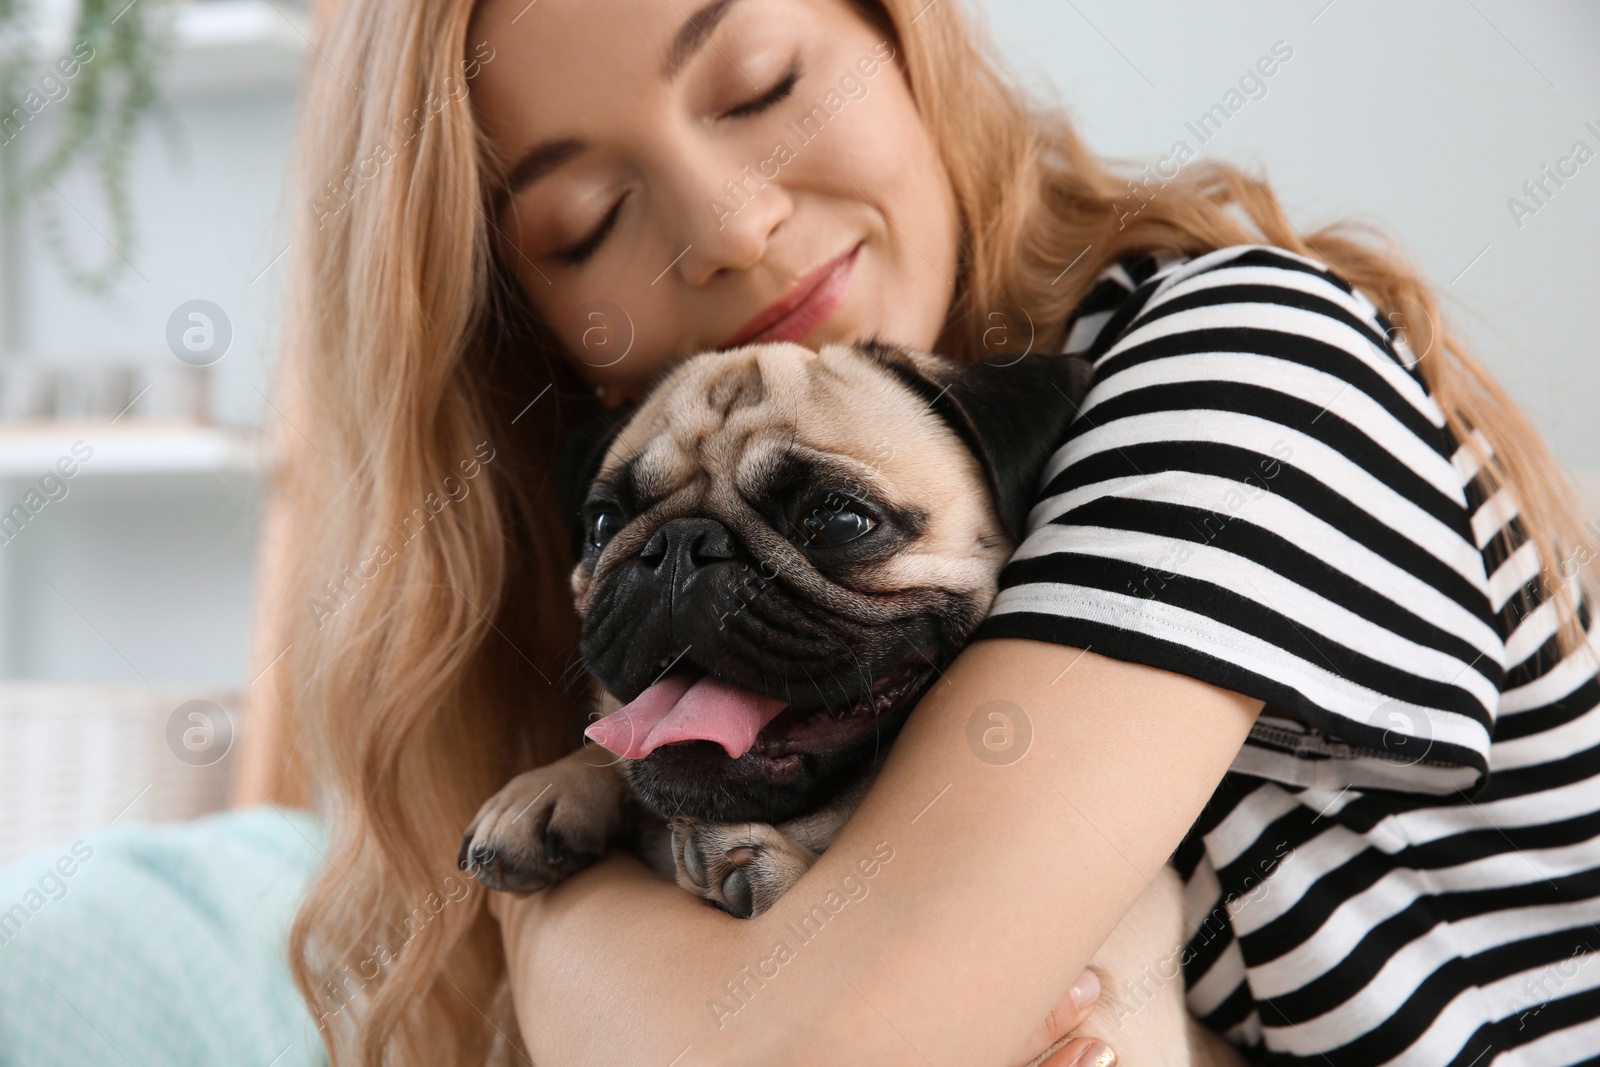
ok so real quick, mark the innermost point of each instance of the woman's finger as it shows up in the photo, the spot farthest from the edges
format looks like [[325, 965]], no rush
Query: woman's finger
[[1068, 1015], [1082, 1052]]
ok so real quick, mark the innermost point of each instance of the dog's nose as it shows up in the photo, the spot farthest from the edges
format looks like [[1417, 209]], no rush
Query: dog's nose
[[682, 546]]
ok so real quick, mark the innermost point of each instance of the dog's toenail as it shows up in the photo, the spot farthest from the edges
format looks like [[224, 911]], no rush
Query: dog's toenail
[[553, 846], [736, 892], [741, 855], [694, 864]]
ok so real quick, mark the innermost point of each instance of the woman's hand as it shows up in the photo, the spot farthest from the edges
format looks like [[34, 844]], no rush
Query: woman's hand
[[1066, 1017]]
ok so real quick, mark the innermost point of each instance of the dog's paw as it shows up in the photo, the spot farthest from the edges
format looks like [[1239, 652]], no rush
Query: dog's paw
[[545, 825], [741, 867]]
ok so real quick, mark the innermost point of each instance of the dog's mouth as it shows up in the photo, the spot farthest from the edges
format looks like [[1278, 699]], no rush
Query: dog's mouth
[[801, 730], [690, 705]]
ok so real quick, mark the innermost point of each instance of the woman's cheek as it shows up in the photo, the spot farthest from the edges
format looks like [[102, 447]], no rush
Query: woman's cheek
[[887, 152]]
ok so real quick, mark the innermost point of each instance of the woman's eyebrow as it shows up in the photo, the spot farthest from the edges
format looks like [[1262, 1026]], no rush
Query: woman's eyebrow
[[546, 156], [538, 161], [694, 33]]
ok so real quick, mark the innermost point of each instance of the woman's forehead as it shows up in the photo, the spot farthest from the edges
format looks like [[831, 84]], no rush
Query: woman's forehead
[[599, 58], [655, 37]]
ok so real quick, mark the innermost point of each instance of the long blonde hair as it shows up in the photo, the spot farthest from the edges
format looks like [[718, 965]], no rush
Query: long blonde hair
[[425, 608]]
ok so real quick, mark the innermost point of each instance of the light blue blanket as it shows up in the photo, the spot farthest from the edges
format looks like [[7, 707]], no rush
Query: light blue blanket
[[159, 946]]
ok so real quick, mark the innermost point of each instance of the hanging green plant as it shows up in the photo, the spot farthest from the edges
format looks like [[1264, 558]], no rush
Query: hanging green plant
[[104, 87]]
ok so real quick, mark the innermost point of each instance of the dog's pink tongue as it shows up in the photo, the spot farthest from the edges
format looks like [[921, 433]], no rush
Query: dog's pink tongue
[[674, 709]]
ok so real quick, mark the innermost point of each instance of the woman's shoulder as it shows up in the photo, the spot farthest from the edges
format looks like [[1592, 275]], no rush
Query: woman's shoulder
[[1256, 376], [1261, 333], [1149, 285], [1258, 491]]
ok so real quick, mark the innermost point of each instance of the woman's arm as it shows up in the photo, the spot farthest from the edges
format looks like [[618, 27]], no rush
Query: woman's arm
[[999, 885]]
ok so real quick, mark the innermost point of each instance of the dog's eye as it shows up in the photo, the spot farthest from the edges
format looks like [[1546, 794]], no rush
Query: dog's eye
[[824, 529], [604, 528]]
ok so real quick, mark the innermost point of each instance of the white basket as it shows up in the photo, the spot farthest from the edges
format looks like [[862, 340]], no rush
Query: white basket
[[76, 757]]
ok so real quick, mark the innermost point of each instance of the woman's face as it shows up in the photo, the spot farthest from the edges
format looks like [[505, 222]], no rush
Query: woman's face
[[691, 175]]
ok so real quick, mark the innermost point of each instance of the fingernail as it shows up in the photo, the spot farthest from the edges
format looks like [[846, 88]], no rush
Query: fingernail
[[1098, 1054], [1084, 992]]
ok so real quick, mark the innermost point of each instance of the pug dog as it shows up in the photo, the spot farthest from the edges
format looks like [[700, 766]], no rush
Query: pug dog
[[779, 551]]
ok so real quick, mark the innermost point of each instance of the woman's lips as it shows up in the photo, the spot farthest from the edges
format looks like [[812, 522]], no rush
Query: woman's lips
[[810, 301]]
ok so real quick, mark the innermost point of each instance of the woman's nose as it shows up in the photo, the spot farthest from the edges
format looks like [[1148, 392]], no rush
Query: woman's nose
[[729, 214]]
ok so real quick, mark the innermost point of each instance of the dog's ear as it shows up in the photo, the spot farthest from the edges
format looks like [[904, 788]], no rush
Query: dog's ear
[[1011, 411], [578, 462]]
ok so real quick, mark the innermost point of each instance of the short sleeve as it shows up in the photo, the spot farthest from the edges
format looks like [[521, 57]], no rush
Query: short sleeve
[[1258, 492]]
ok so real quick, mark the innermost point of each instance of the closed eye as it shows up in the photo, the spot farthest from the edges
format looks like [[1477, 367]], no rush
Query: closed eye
[[575, 255], [578, 254], [771, 97]]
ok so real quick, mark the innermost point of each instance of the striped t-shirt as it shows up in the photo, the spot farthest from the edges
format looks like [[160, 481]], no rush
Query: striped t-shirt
[[1402, 865]]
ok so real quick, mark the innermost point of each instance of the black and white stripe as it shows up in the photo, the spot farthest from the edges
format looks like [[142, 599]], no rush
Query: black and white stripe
[[1403, 864]]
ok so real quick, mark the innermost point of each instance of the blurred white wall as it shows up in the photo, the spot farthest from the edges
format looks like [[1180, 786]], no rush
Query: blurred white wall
[[1423, 117], [142, 574]]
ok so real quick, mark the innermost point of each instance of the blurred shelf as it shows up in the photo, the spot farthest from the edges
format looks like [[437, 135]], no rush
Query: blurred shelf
[[218, 44], [28, 450], [224, 43]]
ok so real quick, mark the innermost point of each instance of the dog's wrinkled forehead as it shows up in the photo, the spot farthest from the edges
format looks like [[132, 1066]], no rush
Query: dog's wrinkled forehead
[[730, 429]]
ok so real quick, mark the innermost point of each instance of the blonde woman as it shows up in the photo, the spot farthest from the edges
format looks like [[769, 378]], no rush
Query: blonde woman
[[1296, 608]]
